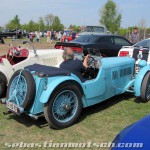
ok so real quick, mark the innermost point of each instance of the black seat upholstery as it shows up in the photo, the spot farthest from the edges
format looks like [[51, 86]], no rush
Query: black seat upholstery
[[48, 70]]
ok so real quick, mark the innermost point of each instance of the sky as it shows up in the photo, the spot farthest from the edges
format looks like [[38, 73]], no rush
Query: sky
[[78, 12]]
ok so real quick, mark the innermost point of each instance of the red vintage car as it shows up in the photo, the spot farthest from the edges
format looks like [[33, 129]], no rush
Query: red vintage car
[[68, 36]]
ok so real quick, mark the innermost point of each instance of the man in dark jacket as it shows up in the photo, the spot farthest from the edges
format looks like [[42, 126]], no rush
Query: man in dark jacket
[[76, 67]]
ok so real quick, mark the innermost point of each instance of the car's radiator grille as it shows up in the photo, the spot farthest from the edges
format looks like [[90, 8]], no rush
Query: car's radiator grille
[[125, 71], [50, 61]]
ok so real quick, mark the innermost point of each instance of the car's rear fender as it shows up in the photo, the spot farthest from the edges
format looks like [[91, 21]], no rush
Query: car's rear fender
[[54, 82], [138, 80], [6, 69]]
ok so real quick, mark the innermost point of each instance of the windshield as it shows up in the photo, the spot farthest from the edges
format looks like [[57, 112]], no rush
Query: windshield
[[144, 43], [87, 38], [21, 45], [94, 29]]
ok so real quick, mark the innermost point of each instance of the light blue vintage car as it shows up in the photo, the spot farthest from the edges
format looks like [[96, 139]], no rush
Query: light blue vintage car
[[60, 96]]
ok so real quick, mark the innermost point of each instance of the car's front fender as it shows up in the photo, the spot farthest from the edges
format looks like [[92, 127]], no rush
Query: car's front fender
[[138, 80], [54, 82]]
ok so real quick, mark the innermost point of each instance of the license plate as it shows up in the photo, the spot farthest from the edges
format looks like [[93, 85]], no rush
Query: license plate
[[12, 107]]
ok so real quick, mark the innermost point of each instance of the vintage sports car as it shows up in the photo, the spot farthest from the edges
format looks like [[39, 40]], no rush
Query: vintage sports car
[[139, 51], [20, 55], [136, 135], [60, 95]]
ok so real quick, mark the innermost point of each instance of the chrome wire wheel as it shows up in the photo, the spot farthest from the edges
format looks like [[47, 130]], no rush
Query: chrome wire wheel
[[148, 90], [18, 90], [65, 106]]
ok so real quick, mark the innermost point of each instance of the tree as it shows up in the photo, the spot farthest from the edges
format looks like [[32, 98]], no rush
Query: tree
[[49, 19], [110, 17], [142, 30], [57, 26], [41, 24], [31, 25], [14, 23], [75, 28]]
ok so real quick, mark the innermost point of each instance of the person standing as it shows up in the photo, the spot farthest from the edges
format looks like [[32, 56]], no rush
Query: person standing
[[135, 36], [59, 36], [73, 35], [2, 40], [31, 37], [52, 36], [48, 35], [37, 36]]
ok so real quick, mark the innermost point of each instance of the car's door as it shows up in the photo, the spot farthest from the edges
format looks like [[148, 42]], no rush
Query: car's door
[[119, 43], [106, 46]]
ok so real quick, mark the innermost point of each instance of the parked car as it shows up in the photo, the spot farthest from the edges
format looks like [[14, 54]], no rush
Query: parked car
[[94, 29], [129, 50], [108, 45], [135, 135], [20, 55], [139, 51], [60, 96], [16, 33]]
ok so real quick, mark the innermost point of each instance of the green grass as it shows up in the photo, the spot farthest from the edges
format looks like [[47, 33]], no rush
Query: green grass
[[99, 123]]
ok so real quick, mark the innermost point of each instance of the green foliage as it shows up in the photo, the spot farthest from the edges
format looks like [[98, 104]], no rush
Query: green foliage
[[122, 31], [75, 28], [110, 17], [56, 25], [47, 23], [41, 24], [14, 23]]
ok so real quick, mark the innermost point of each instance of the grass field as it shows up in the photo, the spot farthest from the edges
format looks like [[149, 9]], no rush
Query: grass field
[[99, 123]]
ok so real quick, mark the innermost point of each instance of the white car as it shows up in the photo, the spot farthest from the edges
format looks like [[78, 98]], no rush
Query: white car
[[139, 51], [20, 55]]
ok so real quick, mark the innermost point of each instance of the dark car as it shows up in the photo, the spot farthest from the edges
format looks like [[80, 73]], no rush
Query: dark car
[[135, 136], [16, 33], [107, 44]]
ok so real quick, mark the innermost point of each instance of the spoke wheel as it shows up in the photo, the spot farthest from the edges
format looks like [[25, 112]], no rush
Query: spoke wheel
[[22, 89], [18, 90], [145, 88], [64, 106]]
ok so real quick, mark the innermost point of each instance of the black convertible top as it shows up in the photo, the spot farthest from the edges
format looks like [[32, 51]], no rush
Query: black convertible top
[[48, 70]]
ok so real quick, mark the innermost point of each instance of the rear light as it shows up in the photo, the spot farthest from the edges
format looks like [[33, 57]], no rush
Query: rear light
[[76, 49], [59, 47], [1, 60], [124, 53]]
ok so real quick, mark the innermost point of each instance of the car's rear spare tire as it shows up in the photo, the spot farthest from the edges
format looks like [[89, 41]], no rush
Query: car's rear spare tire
[[64, 106], [145, 88], [22, 85]]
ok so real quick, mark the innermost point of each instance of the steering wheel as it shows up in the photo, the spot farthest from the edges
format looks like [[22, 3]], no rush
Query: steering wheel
[[13, 51], [89, 71]]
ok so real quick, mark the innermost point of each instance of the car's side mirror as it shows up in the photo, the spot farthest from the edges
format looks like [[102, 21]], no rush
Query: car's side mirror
[[24, 42]]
